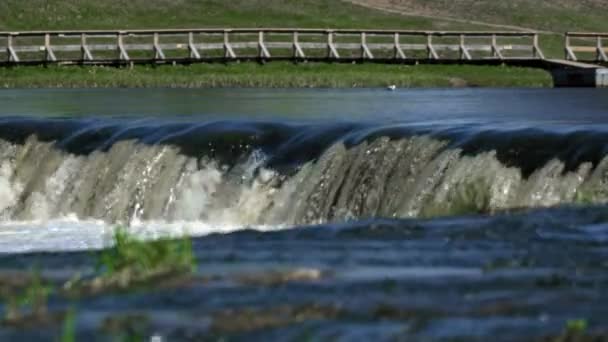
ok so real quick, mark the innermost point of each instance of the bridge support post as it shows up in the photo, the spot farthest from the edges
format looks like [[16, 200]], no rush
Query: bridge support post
[[122, 52], [158, 52], [601, 53], [365, 52], [228, 52], [398, 53], [192, 48], [464, 53], [262, 50], [537, 52], [297, 49], [432, 54], [49, 54], [332, 52], [12, 54], [85, 53]]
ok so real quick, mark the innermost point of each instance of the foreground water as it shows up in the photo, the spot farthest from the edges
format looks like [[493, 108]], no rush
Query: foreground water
[[347, 214]]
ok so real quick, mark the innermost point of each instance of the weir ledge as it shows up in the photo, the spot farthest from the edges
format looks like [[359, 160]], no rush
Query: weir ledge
[[584, 77]]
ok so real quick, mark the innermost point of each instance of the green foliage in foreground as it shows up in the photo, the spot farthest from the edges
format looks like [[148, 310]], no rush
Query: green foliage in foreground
[[30, 301], [68, 333], [274, 75], [577, 326], [139, 258]]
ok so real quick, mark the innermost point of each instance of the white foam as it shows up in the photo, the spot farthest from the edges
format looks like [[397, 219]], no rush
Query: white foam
[[72, 234]]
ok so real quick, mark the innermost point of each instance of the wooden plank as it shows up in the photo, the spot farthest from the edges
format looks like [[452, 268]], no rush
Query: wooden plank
[[112, 33], [587, 34], [572, 64], [589, 49]]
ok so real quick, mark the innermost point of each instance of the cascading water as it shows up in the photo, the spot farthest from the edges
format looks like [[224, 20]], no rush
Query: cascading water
[[423, 215], [407, 175]]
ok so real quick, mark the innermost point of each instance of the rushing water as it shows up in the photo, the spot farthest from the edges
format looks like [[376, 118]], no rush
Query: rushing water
[[439, 213]]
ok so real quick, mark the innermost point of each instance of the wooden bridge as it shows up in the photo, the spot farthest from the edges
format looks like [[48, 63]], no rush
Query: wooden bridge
[[128, 47]]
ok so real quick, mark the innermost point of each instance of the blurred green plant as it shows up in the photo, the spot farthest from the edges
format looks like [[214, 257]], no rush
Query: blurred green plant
[[131, 261], [32, 300], [577, 326], [68, 333]]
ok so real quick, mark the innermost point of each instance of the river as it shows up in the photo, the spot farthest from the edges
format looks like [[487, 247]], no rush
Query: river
[[423, 214]]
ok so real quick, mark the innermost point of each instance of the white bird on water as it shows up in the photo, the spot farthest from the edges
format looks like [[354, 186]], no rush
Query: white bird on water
[[391, 87]]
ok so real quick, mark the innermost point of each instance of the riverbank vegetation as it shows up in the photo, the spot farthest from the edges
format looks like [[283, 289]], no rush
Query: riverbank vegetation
[[138, 14], [274, 75]]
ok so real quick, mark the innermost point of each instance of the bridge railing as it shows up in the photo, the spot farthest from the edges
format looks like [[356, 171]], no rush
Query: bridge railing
[[191, 45], [586, 46]]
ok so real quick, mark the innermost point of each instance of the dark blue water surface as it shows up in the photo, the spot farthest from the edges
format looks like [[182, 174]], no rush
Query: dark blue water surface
[[512, 275]]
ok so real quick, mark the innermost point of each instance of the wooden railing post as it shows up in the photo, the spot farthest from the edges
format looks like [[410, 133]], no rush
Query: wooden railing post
[[537, 52], [297, 49], [158, 52], [85, 53], [12, 54], [262, 50], [432, 54], [192, 48], [122, 52], [601, 54], [570, 55], [228, 52], [332, 52], [464, 52], [398, 52], [49, 54], [496, 53], [365, 52]]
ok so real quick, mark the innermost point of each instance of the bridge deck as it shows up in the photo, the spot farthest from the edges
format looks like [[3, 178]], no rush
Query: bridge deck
[[204, 45], [572, 64]]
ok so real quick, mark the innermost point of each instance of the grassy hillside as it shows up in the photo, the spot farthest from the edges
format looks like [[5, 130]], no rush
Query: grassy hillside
[[125, 14], [549, 15], [94, 14]]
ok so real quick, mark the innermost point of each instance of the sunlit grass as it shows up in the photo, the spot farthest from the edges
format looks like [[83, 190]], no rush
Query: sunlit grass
[[275, 75]]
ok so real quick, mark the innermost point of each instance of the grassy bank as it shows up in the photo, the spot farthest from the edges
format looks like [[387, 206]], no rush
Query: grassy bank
[[113, 14], [276, 74]]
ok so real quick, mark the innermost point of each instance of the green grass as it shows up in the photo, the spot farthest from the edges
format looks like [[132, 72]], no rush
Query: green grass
[[32, 300], [113, 14], [558, 16], [130, 14], [132, 258], [275, 74]]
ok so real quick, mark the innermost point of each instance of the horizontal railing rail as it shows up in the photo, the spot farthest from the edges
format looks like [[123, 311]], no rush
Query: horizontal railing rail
[[586, 46], [161, 46]]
